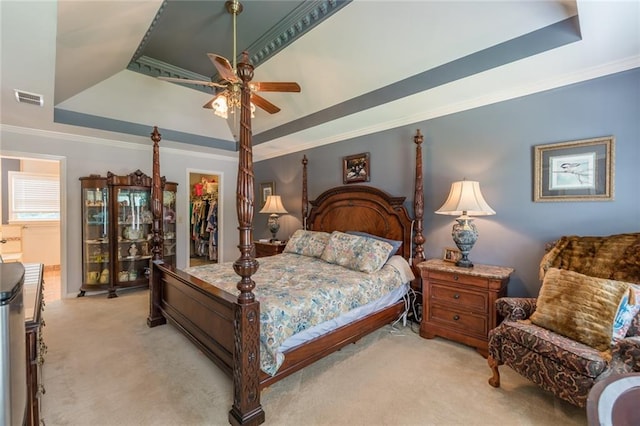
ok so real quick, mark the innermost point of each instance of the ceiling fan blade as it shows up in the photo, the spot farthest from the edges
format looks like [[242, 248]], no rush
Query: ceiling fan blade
[[224, 68], [275, 86], [187, 81], [209, 105], [264, 104]]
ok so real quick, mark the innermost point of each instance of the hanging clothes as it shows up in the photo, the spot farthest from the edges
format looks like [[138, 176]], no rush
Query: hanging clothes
[[212, 229], [204, 226]]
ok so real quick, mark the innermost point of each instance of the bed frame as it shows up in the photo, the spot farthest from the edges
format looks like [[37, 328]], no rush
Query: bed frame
[[226, 326]]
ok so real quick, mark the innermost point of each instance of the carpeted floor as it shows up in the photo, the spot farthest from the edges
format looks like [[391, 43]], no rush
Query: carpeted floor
[[104, 366]]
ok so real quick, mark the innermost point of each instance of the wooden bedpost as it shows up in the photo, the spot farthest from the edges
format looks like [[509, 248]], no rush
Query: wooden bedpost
[[156, 198], [246, 409], [305, 196], [418, 205], [155, 316]]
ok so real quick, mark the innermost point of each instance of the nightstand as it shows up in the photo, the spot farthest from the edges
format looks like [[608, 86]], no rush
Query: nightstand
[[264, 249], [459, 303]]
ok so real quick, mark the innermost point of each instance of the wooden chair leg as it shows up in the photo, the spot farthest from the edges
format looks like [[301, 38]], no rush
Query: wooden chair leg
[[495, 379]]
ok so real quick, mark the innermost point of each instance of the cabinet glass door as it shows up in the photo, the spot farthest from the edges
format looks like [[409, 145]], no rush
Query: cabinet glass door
[[169, 222], [95, 235], [134, 226]]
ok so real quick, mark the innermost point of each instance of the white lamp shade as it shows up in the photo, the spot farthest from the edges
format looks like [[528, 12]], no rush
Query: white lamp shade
[[273, 205], [465, 198]]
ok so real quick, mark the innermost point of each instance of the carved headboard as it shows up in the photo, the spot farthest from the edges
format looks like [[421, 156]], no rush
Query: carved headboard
[[364, 209]]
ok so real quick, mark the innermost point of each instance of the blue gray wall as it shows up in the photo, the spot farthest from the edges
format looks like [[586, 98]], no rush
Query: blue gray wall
[[494, 145]]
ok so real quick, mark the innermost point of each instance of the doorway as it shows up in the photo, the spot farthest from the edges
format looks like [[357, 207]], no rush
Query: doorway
[[36, 237], [204, 217]]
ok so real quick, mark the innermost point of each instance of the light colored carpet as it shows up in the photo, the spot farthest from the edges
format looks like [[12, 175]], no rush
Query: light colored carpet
[[104, 366]]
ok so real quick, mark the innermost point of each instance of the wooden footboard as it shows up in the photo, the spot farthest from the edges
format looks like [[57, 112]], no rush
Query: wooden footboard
[[209, 324]]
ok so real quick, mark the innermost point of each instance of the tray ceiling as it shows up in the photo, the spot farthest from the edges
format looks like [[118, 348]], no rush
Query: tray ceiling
[[364, 66]]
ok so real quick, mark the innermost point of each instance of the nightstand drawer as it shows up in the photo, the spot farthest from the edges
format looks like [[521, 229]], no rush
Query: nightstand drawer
[[456, 278], [464, 299], [463, 321], [459, 303]]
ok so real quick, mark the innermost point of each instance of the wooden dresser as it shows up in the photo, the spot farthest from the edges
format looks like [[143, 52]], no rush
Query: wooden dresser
[[459, 303], [36, 349], [264, 249]]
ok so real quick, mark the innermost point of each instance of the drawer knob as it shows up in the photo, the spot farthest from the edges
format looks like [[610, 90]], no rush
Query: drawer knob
[[456, 317], [456, 296], [455, 278]]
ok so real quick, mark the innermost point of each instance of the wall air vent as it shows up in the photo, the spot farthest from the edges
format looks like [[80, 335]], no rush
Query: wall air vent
[[29, 98]]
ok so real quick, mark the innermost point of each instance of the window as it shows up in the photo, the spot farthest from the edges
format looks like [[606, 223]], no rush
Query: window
[[33, 197]]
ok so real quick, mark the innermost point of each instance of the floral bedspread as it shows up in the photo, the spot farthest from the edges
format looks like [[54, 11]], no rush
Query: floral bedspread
[[297, 292]]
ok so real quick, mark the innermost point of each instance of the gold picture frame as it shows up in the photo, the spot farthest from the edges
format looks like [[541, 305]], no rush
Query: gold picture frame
[[266, 189], [581, 170], [451, 254]]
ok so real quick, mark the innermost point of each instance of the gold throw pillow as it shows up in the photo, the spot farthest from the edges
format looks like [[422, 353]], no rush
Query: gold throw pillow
[[578, 306]]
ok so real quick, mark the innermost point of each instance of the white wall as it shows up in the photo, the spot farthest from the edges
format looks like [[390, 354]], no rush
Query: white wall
[[82, 156], [40, 166], [41, 243]]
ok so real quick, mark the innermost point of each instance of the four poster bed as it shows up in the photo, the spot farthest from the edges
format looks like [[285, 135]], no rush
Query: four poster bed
[[222, 316]]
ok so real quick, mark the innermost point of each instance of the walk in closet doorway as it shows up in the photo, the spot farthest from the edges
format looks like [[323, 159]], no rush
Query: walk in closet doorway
[[204, 215]]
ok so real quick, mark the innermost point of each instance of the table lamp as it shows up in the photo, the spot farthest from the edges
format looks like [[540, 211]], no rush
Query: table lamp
[[274, 206], [465, 199]]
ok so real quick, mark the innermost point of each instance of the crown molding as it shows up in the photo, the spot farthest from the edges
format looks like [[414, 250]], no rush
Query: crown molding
[[145, 39], [156, 68], [302, 19]]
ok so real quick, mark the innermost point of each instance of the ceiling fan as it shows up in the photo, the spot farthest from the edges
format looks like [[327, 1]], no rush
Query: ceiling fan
[[228, 95]]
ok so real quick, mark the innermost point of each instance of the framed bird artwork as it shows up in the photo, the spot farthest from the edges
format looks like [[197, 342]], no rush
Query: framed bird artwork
[[581, 170]]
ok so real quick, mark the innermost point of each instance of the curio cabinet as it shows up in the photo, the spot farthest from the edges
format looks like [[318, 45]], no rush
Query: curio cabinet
[[117, 230]]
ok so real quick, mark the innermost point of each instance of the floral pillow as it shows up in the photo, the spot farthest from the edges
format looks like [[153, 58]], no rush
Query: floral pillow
[[307, 243], [396, 244], [356, 252]]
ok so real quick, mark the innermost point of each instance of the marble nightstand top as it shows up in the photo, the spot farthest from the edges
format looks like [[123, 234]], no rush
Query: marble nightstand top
[[484, 271]]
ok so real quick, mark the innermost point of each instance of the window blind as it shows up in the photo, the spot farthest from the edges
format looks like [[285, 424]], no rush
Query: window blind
[[34, 196]]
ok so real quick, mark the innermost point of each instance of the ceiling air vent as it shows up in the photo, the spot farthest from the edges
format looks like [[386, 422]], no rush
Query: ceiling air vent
[[29, 98]]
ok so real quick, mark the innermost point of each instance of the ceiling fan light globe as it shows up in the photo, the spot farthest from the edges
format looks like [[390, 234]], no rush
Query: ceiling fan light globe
[[220, 107]]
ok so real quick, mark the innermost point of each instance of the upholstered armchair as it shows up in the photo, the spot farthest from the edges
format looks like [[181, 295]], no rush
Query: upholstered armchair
[[569, 363]]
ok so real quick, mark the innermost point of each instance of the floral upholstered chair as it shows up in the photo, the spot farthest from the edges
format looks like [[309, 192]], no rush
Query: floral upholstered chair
[[585, 324]]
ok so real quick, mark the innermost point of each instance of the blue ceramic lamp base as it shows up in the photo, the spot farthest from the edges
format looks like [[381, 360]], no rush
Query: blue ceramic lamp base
[[465, 235]]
